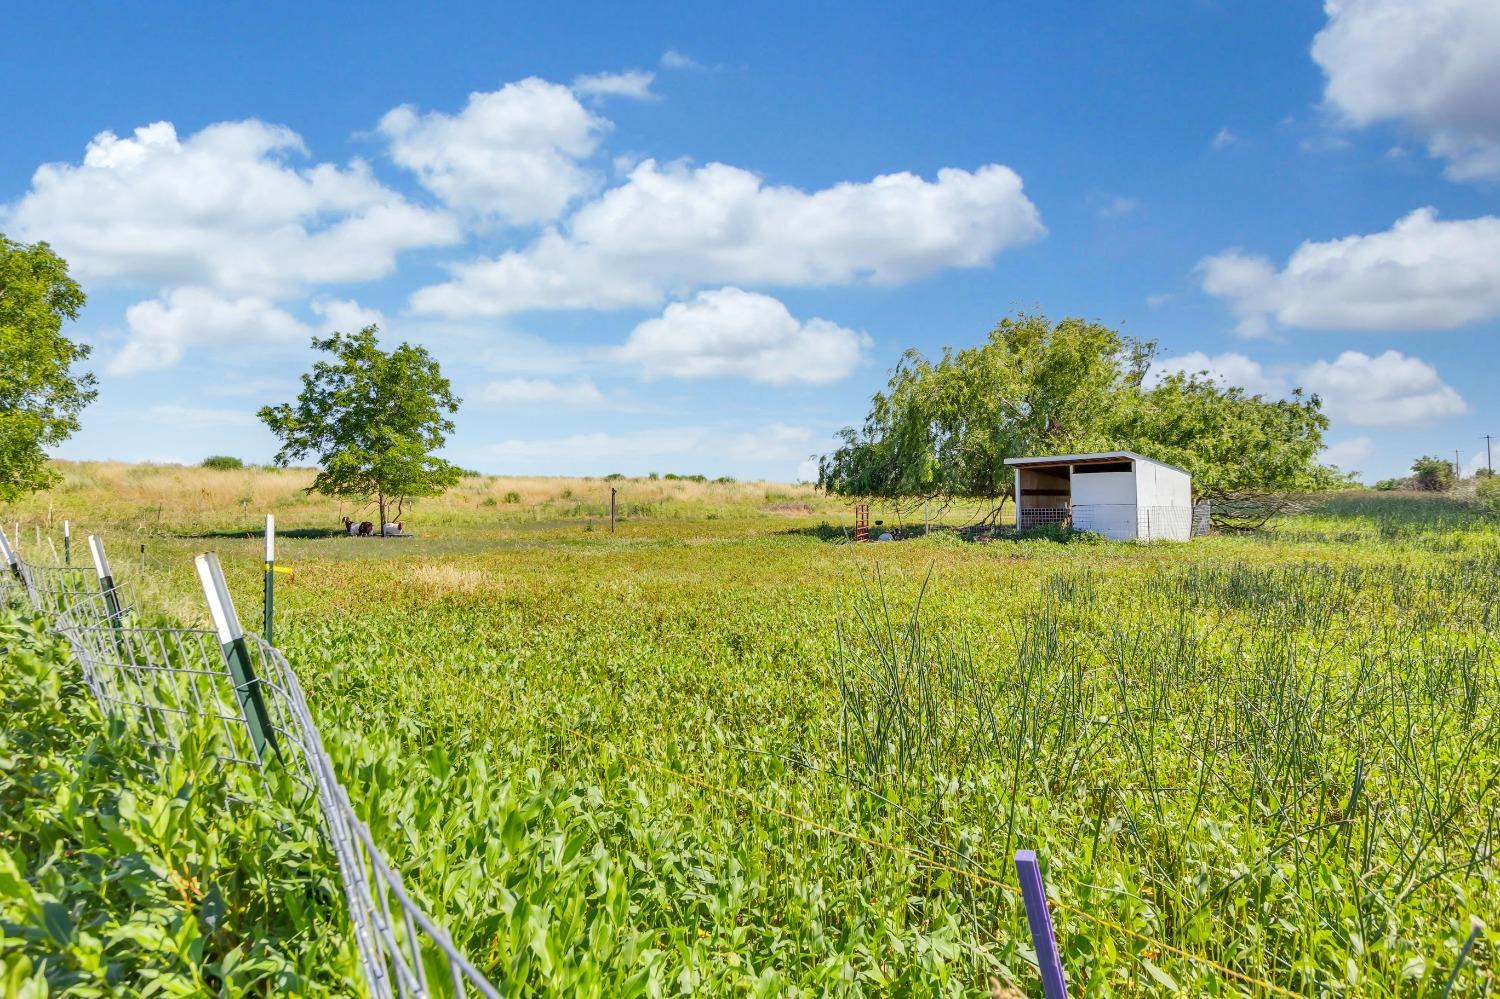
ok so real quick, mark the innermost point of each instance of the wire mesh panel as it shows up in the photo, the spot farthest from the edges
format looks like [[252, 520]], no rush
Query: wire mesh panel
[[166, 682]]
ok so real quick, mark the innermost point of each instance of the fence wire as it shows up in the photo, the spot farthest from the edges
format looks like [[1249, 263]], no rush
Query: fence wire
[[163, 682]]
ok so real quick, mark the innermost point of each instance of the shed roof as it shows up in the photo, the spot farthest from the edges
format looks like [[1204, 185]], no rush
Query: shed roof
[[1085, 459]]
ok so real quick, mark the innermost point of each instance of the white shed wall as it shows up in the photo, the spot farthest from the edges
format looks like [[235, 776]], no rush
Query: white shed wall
[[1104, 502], [1164, 502]]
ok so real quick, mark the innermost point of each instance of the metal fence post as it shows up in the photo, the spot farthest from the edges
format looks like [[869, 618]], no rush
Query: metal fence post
[[270, 595], [1048, 962], [106, 580], [236, 654], [11, 558], [67, 542]]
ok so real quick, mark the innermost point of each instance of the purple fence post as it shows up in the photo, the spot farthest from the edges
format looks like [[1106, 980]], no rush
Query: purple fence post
[[1048, 962]]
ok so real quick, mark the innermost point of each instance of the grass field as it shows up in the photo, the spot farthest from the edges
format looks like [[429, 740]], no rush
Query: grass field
[[616, 764]]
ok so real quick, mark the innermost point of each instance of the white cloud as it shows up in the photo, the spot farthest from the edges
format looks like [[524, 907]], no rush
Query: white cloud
[[774, 442], [1421, 273], [161, 328], [672, 59], [198, 416], [1433, 65], [514, 153], [1387, 390], [1223, 139], [1348, 455], [634, 83], [1476, 461], [345, 315], [580, 392], [1118, 206], [1230, 369], [222, 209], [675, 227], [735, 333], [593, 453]]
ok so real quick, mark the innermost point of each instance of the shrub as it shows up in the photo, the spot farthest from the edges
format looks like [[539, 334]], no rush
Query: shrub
[[490, 501], [512, 497], [1434, 475], [222, 462], [1487, 490], [614, 477]]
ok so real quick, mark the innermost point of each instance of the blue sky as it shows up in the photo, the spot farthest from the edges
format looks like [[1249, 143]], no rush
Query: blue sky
[[658, 240]]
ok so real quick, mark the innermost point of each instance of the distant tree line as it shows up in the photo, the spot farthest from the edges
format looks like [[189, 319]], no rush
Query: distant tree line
[[942, 429]]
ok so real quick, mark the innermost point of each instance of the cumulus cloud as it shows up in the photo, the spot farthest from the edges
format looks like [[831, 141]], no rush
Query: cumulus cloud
[[635, 84], [580, 392], [223, 209], [669, 228], [1422, 273], [1388, 390], [1223, 139], [160, 328], [673, 59], [513, 154], [774, 442], [1432, 65], [1348, 455], [735, 333]]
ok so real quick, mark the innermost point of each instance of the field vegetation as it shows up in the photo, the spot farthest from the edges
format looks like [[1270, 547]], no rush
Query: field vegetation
[[722, 752]]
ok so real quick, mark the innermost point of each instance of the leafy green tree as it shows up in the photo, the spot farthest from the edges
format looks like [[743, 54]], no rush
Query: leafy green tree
[[942, 430], [223, 462], [40, 394], [1431, 474], [1250, 457], [373, 420]]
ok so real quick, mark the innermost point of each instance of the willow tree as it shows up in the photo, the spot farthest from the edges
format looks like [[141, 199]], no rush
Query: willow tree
[[942, 429], [374, 420]]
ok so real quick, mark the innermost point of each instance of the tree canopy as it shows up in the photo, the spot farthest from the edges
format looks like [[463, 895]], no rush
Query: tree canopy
[[943, 429], [373, 420], [40, 395]]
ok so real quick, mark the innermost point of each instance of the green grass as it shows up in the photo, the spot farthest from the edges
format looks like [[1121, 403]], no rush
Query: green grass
[[1278, 751]]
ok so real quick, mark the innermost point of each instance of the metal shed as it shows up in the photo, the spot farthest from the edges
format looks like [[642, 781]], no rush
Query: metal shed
[[1119, 494]]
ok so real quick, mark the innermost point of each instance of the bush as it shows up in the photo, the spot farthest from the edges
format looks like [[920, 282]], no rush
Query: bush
[[1433, 475], [512, 497], [1387, 485], [222, 462], [1487, 490], [614, 477]]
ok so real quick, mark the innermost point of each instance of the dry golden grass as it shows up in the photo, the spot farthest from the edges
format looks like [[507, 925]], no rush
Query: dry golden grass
[[151, 499]]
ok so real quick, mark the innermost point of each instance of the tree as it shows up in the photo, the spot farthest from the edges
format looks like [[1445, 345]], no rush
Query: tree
[[372, 419], [1432, 475], [1250, 457], [40, 395], [942, 430]]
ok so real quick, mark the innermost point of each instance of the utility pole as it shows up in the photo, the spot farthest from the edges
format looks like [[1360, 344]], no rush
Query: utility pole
[[1458, 468], [1489, 460]]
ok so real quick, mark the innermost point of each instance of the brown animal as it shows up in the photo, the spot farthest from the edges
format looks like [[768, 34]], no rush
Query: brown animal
[[366, 529]]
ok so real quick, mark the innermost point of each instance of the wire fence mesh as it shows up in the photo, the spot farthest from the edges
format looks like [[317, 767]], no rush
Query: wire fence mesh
[[165, 681]]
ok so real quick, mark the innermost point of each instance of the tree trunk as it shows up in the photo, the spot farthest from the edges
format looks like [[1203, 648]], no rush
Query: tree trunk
[[380, 527]]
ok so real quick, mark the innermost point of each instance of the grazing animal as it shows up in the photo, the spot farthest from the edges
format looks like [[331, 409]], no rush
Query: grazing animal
[[392, 530], [349, 526], [366, 529]]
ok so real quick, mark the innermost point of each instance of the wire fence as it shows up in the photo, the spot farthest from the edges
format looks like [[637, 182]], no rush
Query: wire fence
[[163, 682]]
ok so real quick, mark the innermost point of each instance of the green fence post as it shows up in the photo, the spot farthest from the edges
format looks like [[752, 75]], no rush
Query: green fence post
[[106, 579], [270, 597], [236, 654]]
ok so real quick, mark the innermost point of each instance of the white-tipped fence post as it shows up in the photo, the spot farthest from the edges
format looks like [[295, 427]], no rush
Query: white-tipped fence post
[[67, 543], [106, 579], [236, 654], [12, 560], [270, 597]]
